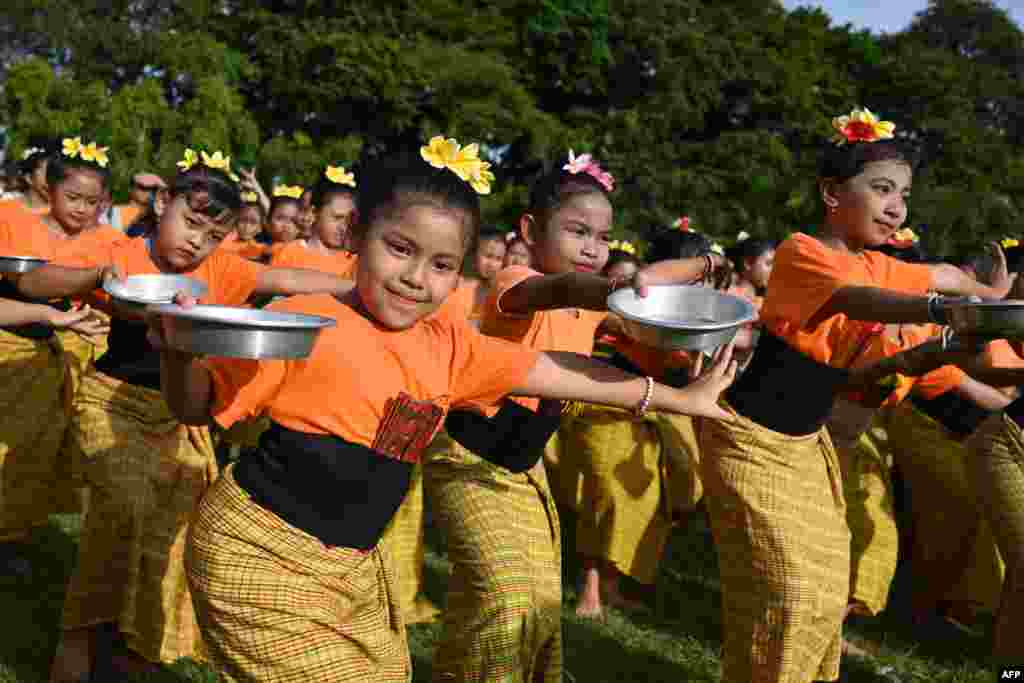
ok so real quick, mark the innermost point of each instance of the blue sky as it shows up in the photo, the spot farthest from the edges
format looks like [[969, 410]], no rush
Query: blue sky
[[886, 16]]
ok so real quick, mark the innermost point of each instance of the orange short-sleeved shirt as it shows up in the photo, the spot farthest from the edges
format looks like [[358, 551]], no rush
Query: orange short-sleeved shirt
[[463, 300], [440, 359], [806, 275], [230, 278], [298, 255], [20, 204], [249, 249], [557, 330], [23, 233]]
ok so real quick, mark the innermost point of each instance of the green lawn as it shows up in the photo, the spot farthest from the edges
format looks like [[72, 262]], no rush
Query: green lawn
[[677, 640]]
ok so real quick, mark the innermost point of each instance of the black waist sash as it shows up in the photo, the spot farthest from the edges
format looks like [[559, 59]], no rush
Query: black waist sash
[[31, 330], [130, 357], [957, 414], [343, 493], [1016, 411], [514, 438], [784, 390]]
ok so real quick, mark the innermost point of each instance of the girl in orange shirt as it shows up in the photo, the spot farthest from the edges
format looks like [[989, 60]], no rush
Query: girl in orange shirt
[[146, 471], [473, 290], [291, 578], [36, 197], [284, 219], [244, 240], [772, 478], [502, 618]]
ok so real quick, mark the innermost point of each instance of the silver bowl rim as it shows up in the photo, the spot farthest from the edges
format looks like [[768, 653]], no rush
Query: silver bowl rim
[[114, 289], [23, 258], [1001, 304], [278, 320], [616, 308]]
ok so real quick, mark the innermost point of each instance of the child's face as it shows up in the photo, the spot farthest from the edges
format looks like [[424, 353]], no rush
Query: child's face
[[575, 236], [518, 254], [409, 263], [283, 225], [333, 221], [872, 206], [77, 201], [37, 178], [187, 236], [622, 271], [249, 222], [490, 257], [760, 269]]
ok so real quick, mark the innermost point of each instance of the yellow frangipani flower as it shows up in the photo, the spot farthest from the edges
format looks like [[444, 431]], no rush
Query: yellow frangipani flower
[[1009, 242], [71, 147], [217, 161], [861, 126], [464, 162], [338, 174], [190, 159], [481, 181], [250, 197], [95, 154], [293, 191], [439, 152]]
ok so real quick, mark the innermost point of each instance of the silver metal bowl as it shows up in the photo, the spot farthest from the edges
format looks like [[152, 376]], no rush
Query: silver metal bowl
[[233, 332], [993, 319], [683, 317], [20, 264], [144, 290]]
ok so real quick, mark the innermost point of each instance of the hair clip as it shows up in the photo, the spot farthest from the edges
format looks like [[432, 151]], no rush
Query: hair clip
[[861, 125], [464, 162], [683, 224], [73, 148], [585, 163]]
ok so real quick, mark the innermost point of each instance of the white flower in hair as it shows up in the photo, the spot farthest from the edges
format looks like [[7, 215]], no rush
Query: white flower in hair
[[744, 235], [30, 151]]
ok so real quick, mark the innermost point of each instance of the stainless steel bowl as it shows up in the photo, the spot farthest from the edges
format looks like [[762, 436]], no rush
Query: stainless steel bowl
[[233, 332], [681, 317], [993, 319], [20, 264], [144, 290]]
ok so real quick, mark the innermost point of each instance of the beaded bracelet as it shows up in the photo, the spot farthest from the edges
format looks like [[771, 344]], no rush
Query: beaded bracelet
[[645, 402]]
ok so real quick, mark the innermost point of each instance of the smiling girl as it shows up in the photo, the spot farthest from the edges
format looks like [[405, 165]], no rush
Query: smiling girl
[[146, 471], [290, 576], [772, 478]]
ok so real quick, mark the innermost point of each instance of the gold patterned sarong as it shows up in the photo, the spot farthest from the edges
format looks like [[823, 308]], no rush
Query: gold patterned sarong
[[502, 620], [867, 486], [147, 474], [33, 419], [278, 606], [997, 474], [777, 514], [404, 537], [953, 554]]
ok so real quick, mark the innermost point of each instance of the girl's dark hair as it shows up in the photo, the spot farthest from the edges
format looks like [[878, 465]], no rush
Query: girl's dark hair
[[617, 256], [276, 202], [557, 186], [914, 253], [326, 188], [60, 166], [13, 176], [750, 248], [255, 205], [842, 162], [407, 180], [208, 190], [491, 233], [672, 243], [45, 149]]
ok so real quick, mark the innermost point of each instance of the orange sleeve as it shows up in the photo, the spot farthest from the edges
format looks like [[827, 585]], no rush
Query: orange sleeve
[[460, 302], [23, 234], [232, 278], [485, 369], [242, 388], [940, 381], [497, 322], [891, 273]]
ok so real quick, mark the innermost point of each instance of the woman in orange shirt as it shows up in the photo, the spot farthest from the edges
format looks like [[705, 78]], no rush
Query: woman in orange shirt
[[291, 576], [502, 618], [772, 479], [146, 471], [37, 370]]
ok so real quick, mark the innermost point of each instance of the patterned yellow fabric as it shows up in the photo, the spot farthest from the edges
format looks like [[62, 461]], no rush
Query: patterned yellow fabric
[[565, 481], [777, 514], [625, 514], [953, 554], [33, 418], [867, 486], [404, 536], [147, 474], [997, 473], [680, 447], [502, 620], [278, 606]]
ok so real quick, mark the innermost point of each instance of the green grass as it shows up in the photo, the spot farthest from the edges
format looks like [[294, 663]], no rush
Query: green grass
[[676, 640]]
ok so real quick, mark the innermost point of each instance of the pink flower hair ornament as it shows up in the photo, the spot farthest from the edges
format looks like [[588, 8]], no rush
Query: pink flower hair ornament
[[585, 163]]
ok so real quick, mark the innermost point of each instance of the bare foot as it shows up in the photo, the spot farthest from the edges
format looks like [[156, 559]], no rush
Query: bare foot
[[589, 606], [73, 661]]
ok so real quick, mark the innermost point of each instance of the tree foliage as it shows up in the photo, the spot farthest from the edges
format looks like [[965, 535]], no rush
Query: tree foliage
[[714, 110]]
